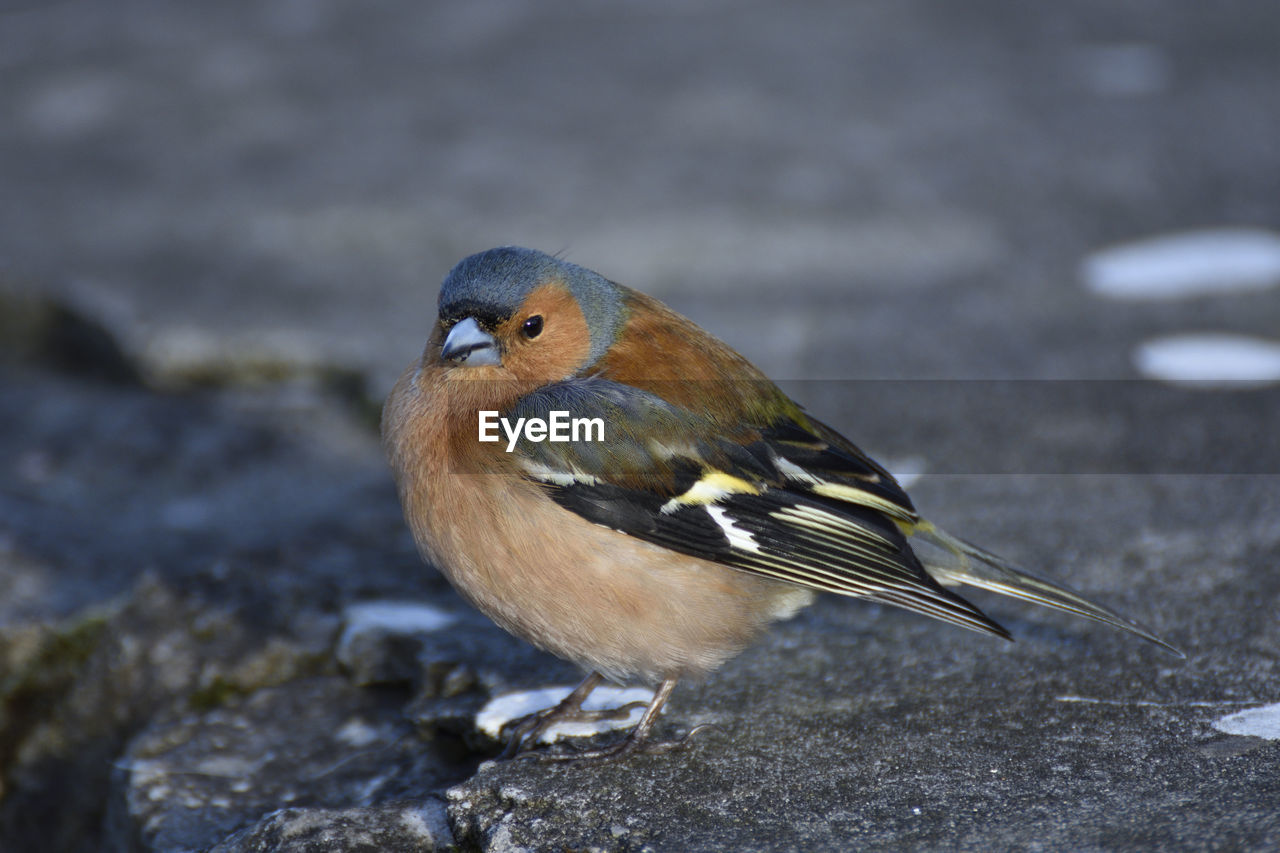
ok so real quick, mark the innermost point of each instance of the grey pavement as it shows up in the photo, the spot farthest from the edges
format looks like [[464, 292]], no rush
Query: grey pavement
[[222, 227]]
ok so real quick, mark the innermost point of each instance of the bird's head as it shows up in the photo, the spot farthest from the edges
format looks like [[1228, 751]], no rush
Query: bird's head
[[522, 314]]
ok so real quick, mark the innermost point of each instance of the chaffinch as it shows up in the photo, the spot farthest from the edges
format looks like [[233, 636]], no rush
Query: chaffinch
[[710, 505]]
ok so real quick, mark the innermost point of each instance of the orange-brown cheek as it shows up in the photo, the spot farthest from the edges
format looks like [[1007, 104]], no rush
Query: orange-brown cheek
[[565, 340]]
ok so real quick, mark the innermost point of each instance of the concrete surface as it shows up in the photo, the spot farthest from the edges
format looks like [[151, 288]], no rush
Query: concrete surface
[[221, 230]]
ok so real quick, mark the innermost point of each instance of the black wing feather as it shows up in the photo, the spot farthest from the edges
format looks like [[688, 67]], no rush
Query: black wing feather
[[875, 563]]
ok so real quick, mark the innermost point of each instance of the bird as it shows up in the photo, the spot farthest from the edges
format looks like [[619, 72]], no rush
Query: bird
[[709, 506]]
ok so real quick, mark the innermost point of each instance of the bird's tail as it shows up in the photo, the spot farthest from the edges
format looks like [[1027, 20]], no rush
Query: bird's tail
[[952, 561]]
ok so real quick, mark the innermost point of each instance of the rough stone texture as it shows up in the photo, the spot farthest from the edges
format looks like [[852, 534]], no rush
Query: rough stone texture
[[220, 233], [314, 746], [420, 825]]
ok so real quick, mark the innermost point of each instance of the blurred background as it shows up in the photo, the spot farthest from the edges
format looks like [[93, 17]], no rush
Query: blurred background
[[287, 183], [223, 226]]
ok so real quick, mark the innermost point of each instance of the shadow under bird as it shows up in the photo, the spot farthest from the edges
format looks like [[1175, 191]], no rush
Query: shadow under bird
[[711, 506]]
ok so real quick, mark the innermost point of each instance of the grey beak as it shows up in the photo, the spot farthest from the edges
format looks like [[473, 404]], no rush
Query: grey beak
[[469, 344]]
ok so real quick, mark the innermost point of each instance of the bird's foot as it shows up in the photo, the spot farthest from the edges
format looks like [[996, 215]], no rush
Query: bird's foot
[[526, 731]]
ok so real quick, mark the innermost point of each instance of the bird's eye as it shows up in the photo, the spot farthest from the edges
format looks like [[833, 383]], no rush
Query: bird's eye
[[532, 327]]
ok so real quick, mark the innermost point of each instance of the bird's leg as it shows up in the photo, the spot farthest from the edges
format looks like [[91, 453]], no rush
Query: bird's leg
[[529, 729], [638, 739]]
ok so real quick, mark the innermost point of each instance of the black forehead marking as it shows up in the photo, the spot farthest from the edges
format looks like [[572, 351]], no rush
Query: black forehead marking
[[483, 312]]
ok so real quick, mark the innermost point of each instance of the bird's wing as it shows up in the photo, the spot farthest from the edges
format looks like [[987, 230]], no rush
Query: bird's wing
[[777, 500]]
